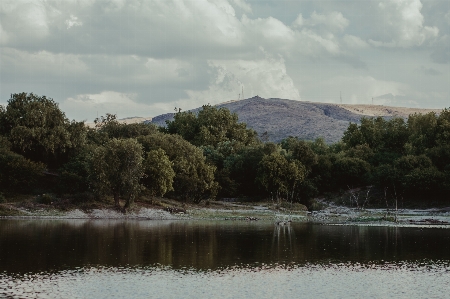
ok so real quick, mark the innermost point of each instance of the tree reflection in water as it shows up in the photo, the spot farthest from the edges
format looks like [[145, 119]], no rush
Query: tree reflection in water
[[283, 241]]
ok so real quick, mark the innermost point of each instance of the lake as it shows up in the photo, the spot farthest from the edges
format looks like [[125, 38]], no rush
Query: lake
[[221, 259]]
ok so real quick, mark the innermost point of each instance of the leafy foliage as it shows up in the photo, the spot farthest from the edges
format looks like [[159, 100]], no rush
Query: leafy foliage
[[194, 177], [18, 173], [210, 126], [39, 130], [159, 173], [117, 168]]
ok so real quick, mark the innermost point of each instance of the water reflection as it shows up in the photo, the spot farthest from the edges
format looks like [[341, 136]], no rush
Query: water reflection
[[51, 245], [283, 241], [174, 259]]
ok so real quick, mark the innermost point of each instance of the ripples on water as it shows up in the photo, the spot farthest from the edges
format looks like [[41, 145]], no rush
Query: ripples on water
[[350, 280], [148, 259]]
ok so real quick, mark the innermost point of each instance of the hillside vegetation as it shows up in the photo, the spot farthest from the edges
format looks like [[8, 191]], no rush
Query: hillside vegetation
[[277, 119], [209, 153]]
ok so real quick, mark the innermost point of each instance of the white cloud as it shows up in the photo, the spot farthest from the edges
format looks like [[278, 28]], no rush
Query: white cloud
[[73, 21], [298, 22], [354, 42], [243, 5], [41, 63], [266, 78], [267, 31], [402, 24], [26, 19], [334, 21], [90, 105], [361, 89]]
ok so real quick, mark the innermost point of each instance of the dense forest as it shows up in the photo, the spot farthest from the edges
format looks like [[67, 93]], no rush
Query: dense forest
[[209, 155]]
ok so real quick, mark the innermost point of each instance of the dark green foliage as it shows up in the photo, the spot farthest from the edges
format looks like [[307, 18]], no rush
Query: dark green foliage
[[423, 183], [74, 175], [18, 173], [350, 172], [39, 130], [201, 155], [379, 134]]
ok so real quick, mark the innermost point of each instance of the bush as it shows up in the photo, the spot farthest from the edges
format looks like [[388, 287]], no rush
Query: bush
[[46, 198], [315, 205]]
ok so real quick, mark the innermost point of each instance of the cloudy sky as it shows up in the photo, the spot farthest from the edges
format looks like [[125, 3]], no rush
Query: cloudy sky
[[143, 58]]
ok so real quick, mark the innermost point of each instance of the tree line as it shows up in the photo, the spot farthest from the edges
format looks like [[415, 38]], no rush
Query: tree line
[[210, 154]]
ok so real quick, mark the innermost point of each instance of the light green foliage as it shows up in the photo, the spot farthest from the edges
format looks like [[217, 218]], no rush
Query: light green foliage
[[422, 131], [194, 177], [38, 129], [301, 151], [360, 151], [279, 176], [379, 134], [109, 127], [117, 169], [319, 146], [210, 126], [159, 173], [443, 128], [408, 163]]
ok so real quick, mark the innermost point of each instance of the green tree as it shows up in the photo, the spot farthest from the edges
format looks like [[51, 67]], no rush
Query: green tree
[[279, 176], [210, 127], [349, 172], [112, 128], [422, 129], [39, 130], [159, 173], [16, 172], [117, 169], [301, 151], [194, 177]]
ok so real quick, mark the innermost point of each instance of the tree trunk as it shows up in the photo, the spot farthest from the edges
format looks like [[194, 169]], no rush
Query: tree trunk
[[116, 199], [130, 202]]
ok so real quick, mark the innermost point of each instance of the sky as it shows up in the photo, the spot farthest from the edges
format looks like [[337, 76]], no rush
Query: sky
[[144, 58]]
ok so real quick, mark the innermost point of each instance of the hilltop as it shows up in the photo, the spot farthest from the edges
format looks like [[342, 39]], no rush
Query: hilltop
[[275, 119]]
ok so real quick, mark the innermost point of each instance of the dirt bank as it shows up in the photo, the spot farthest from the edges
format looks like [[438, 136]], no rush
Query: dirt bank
[[235, 211]]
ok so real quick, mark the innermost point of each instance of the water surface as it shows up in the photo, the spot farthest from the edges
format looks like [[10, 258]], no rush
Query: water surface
[[234, 259]]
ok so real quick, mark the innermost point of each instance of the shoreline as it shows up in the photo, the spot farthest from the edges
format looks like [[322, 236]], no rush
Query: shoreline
[[332, 215]]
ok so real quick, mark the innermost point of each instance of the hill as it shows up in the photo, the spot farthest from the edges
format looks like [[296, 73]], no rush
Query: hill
[[281, 118]]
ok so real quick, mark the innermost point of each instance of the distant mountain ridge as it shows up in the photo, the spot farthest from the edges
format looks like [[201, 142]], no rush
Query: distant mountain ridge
[[281, 118]]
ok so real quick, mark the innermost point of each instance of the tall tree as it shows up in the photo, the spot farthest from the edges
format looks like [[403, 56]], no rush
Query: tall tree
[[279, 176], [117, 169]]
